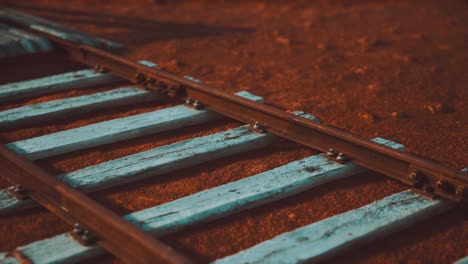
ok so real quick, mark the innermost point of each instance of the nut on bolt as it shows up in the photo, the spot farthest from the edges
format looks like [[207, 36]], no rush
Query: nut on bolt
[[442, 184], [99, 68], [77, 229], [197, 105], [416, 176], [189, 101], [331, 153], [18, 191], [140, 77], [258, 127], [19, 188], [341, 157], [86, 238]]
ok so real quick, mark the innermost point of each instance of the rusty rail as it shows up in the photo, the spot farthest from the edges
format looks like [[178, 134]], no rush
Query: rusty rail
[[433, 178], [129, 243], [111, 231]]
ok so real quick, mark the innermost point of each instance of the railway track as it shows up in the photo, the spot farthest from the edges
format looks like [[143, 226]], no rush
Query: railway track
[[96, 230]]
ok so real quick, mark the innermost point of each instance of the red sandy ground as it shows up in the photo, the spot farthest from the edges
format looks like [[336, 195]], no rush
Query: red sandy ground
[[351, 64]]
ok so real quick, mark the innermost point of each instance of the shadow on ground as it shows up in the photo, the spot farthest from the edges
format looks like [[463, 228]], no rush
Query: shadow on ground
[[132, 30]]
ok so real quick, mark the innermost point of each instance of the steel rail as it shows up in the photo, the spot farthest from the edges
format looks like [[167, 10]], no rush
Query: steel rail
[[432, 178], [133, 245], [112, 232]]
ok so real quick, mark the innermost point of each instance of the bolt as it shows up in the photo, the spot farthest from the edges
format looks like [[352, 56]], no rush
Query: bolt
[[331, 153], [258, 126], [86, 237], [18, 189], [152, 81], [189, 101], [442, 184], [460, 191], [416, 176], [99, 68], [77, 229], [140, 77], [341, 157], [197, 105]]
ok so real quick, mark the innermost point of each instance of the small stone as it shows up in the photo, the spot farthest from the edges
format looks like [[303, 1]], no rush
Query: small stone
[[292, 216], [324, 46], [363, 41], [376, 89], [437, 108], [367, 116], [369, 43], [360, 70], [176, 63], [282, 40], [392, 29], [397, 115]]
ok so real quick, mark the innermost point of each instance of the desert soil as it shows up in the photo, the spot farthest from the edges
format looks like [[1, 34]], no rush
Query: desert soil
[[387, 69]]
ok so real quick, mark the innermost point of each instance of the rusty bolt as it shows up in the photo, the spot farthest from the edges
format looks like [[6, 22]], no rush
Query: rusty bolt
[[460, 191], [331, 153], [258, 126], [341, 157], [77, 229], [99, 68], [86, 237], [140, 77], [442, 184], [197, 105], [416, 176], [152, 81], [189, 101], [18, 189]]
